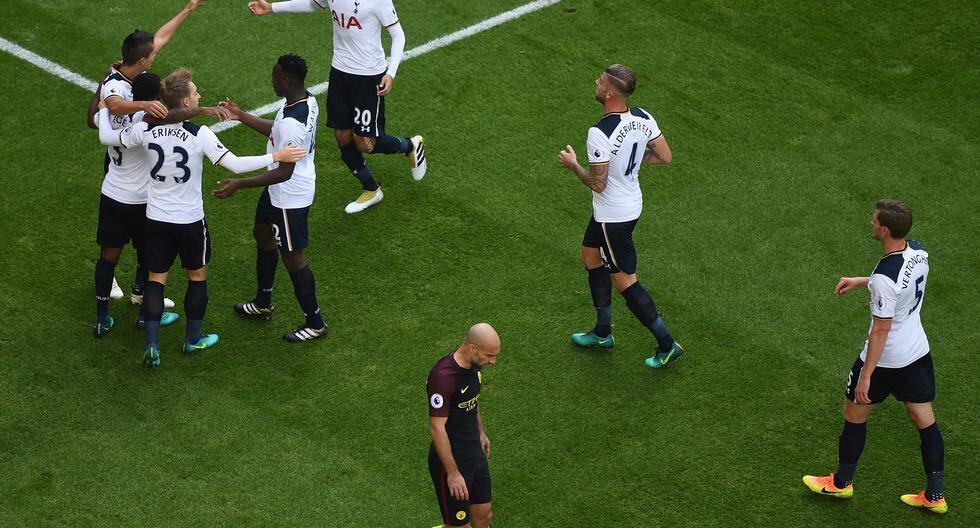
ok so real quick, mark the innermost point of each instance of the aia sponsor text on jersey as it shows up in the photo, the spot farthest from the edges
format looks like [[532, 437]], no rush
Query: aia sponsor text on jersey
[[345, 21]]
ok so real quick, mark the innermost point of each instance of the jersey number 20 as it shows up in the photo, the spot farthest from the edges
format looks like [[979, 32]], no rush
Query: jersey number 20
[[181, 164]]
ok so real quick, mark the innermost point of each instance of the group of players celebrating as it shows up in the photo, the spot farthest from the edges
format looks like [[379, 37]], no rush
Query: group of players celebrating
[[152, 195], [152, 198]]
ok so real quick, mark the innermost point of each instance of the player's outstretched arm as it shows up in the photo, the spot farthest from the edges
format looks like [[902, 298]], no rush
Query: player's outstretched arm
[[277, 175], [440, 439], [178, 115], [846, 284], [658, 152], [166, 31], [262, 126], [261, 7], [287, 154], [119, 106]]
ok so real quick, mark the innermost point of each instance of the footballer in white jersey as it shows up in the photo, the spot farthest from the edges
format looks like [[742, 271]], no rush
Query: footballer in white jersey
[[897, 287], [896, 360], [617, 145], [295, 124], [282, 212], [360, 78], [175, 222]]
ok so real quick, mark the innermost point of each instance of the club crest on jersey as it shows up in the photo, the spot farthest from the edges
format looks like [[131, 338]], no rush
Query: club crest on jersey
[[345, 21]]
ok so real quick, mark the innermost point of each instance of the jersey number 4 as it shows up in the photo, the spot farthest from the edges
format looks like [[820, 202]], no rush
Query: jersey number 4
[[632, 166], [181, 164]]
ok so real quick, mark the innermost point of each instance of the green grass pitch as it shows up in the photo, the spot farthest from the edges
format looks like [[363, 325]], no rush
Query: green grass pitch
[[787, 121]]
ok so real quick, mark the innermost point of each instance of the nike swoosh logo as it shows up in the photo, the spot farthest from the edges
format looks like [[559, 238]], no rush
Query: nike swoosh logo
[[666, 359], [603, 341], [466, 388]]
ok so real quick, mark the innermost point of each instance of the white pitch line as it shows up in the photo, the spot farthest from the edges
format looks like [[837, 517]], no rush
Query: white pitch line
[[432, 45], [46, 65]]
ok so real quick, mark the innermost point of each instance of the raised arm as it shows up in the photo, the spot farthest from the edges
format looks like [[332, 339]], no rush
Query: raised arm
[[166, 31], [261, 7]]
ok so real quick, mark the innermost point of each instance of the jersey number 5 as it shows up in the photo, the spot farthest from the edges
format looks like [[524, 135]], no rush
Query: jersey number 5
[[181, 164], [918, 293]]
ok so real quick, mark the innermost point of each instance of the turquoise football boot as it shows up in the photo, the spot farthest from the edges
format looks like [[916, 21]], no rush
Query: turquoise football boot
[[589, 339], [662, 359], [205, 341], [151, 357], [102, 327]]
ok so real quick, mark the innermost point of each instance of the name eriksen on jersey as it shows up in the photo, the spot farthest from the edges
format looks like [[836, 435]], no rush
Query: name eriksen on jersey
[[912, 263], [170, 132], [629, 127]]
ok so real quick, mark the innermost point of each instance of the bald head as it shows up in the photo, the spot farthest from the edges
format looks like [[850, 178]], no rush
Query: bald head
[[483, 336], [480, 348]]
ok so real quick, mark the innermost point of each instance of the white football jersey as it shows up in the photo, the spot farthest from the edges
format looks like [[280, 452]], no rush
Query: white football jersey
[[897, 287], [357, 27], [125, 180], [295, 125], [176, 154], [621, 141]]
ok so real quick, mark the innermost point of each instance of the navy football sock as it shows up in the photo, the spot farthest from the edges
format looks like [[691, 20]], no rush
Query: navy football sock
[[152, 311], [641, 304], [392, 145], [932, 448], [104, 271], [600, 285], [265, 272], [358, 167], [140, 280], [849, 448], [304, 285], [195, 305]]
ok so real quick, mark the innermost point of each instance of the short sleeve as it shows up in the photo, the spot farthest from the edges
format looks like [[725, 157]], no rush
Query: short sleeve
[[289, 132], [386, 13], [132, 136], [210, 145], [598, 146], [113, 88], [440, 388], [883, 297], [654, 128]]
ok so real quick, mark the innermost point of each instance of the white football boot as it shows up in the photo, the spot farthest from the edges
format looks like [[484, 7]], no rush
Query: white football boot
[[116, 292], [365, 200], [168, 303], [417, 158]]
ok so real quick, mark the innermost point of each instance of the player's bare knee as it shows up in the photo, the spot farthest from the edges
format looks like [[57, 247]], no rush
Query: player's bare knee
[[294, 260], [111, 254], [590, 257], [344, 137], [264, 238], [623, 281], [365, 144], [855, 413], [198, 274]]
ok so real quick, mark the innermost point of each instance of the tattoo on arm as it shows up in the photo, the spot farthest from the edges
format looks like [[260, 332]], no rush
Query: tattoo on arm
[[595, 177], [651, 155]]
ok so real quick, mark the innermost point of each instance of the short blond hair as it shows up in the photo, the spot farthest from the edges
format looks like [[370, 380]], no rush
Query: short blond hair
[[176, 87], [622, 79]]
